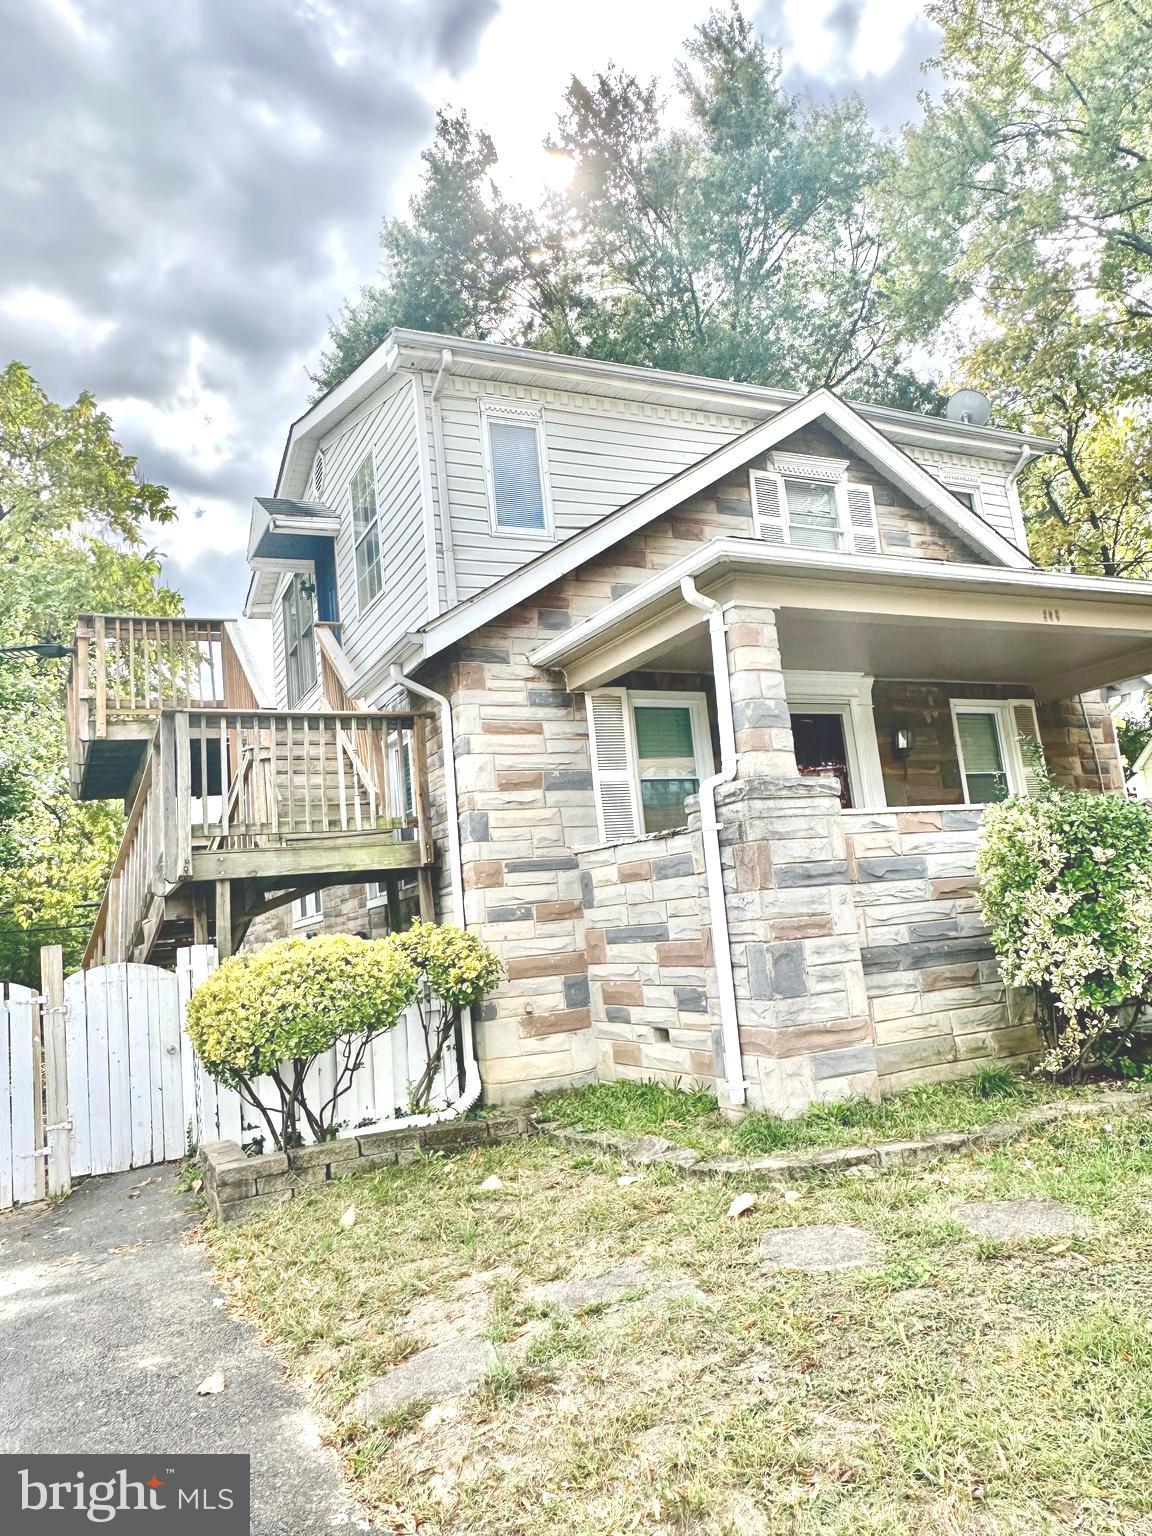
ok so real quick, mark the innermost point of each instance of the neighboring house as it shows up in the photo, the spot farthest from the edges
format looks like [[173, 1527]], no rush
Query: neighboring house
[[693, 694]]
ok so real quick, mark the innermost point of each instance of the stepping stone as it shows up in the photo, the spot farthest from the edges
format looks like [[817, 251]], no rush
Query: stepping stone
[[448, 1370], [816, 1249], [1006, 1221], [578, 1293]]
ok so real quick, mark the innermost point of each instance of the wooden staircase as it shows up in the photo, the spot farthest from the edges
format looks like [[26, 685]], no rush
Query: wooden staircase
[[234, 808]]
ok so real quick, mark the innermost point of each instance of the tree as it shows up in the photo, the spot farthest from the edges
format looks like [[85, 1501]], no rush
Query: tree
[[74, 514], [736, 236], [1031, 185]]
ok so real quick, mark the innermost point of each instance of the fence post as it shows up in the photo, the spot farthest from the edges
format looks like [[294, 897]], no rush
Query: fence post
[[55, 1041]]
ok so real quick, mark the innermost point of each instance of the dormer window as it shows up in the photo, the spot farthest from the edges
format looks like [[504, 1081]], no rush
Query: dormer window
[[813, 514]]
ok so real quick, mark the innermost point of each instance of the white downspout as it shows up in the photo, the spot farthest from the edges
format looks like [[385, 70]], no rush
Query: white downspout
[[710, 838], [472, 1083], [450, 591]]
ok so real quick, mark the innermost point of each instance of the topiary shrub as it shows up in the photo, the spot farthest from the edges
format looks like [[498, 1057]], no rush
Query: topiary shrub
[[1066, 888], [455, 970], [271, 1013]]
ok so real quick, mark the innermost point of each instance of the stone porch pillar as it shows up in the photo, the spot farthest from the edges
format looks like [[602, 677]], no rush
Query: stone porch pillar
[[805, 1031], [759, 706]]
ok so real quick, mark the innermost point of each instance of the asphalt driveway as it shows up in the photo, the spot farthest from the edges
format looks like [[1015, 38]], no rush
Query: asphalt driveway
[[109, 1321]]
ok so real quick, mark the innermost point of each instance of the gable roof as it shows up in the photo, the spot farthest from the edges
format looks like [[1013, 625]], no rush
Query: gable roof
[[922, 487]]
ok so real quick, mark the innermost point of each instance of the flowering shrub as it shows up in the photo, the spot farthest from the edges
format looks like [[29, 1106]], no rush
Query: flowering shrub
[[455, 970], [1066, 887], [274, 1011]]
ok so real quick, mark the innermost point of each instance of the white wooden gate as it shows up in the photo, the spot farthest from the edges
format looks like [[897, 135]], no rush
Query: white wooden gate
[[125, 1083], [22, 1154]]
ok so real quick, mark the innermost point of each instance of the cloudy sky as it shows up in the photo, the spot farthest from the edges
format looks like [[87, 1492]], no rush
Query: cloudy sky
[[188, 190]]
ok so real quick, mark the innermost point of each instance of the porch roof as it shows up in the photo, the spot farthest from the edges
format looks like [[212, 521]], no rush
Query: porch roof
[[878, 614]]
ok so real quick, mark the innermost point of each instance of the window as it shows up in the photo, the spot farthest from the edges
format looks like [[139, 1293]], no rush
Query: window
[[988, 735], [813, 515], [649, 753], [299, 639], [834, 733], [307, 908], [965, 488], [517, 493], [405, 905], [366, 535]]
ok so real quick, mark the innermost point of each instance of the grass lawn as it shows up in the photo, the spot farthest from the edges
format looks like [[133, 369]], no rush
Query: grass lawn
[[691, 1118], [961, 1389]]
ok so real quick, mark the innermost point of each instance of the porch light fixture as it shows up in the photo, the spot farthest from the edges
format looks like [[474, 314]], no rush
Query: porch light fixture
[[902, 740]]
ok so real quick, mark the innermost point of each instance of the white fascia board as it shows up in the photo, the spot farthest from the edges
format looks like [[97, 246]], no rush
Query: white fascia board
[[531, 578], [826, 565], [261, 596], [345, 397]]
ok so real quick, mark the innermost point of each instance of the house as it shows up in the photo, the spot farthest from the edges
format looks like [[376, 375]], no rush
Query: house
[[686, 695]]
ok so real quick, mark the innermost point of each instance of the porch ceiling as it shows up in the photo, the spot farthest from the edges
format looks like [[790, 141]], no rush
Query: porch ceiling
[[882, 616]]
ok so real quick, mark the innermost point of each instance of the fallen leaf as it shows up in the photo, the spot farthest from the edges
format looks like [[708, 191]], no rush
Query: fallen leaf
[[348, 1217], [741, 1205], [629, 1178], [211, 1385], [197, 1186], [492, 1182]]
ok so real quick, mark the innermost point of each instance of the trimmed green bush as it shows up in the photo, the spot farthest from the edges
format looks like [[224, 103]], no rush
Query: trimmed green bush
[[271, 1013], [455, 970], [1066, 888]]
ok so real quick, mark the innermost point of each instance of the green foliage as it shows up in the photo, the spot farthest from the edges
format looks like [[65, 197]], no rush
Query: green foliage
[[716, 226], [1134, 732], [1066, 888], [272, 1012], [74, 512], [294, 1000], [1022, 207], [456, 966]]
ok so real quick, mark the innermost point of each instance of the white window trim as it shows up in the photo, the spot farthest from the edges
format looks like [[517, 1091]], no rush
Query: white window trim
[[1003, 711], [522, 417], [963, 480], [849, 695], [304, 919], [697, 707], [365, 608], [815, 471]]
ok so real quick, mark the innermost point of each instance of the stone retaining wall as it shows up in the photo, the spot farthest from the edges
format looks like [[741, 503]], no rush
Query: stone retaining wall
[[938, 1007], [237, 1186]]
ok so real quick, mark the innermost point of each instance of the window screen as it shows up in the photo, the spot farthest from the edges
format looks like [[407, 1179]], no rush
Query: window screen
[[516, 484], [983, 759], [813, 516]]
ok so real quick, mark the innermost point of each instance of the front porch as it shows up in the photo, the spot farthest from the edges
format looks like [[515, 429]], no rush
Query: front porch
[[845, 792]]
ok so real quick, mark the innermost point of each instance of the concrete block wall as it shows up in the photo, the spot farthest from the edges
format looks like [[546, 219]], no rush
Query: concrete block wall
[[651, 983], [937, 1006]]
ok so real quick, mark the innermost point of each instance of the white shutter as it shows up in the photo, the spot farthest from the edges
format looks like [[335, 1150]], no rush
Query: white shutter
[[862, 519], [613, 765], [1024, 719], [768, 506]]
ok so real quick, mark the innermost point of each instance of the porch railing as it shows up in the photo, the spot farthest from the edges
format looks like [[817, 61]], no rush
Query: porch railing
[[131, 668], [226, 781]]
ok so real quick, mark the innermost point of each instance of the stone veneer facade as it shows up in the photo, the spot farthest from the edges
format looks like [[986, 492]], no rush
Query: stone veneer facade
[[858, 956]]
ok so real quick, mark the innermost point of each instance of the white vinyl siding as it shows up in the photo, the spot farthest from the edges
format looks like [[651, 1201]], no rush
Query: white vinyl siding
[[986, 479]]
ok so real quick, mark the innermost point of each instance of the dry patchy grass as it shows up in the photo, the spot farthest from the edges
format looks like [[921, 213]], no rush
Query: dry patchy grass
[[960, 1389]]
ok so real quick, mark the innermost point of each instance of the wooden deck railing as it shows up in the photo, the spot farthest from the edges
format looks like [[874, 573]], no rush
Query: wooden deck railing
[[130, 668], [229, 781]]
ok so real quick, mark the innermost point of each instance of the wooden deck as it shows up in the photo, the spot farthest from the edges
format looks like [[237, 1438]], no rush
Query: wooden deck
[[233, 807]]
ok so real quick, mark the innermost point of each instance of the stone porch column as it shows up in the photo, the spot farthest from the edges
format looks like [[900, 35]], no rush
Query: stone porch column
[[805, 1030], [759, 706]]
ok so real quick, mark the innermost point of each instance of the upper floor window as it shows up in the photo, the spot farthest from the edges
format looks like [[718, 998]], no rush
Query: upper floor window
[[515, 472], [366, 534], [808, 501], [299, 639]]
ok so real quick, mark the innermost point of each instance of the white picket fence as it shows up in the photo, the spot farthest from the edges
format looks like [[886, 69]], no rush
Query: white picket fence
[[98, 1075]]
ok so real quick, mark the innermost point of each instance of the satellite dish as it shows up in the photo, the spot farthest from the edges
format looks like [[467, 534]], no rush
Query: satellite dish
[[969, 406]]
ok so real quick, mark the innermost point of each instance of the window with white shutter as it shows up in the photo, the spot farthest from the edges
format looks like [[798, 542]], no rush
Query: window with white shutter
[[810, 503], [988, 733], [613, 765], [515, 472]]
